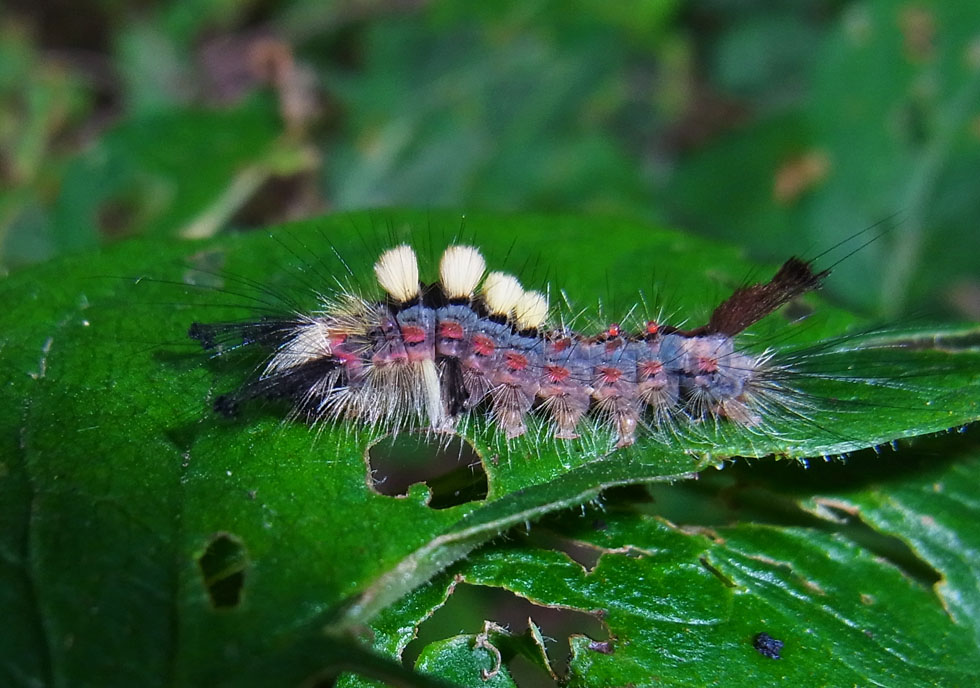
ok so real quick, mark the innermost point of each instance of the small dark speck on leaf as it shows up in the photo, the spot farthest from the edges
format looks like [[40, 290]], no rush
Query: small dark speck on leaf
[[767, 646], [599, 524]]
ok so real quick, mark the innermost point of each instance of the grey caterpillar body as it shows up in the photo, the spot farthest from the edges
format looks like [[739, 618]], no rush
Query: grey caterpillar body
[[430, 354]]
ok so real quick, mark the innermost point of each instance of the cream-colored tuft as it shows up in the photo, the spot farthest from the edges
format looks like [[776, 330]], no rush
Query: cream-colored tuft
[[501, 292], [398, 272], [460, 270], [531, 310], [433, 393], [309, 342]]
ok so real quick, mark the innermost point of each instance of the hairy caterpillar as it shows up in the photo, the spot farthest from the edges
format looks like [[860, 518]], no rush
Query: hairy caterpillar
[[431, 355]]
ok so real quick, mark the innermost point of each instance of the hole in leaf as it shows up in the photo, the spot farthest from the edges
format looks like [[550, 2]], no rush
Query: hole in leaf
[[770, 494], [584, 554], [223, 567], [886, 546], [453, 471], [470, 606]]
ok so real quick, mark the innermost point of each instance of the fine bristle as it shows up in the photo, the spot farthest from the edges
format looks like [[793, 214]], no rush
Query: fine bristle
[[501, 292], [460, 270], [476, 350], [397, 271], [531, 310]]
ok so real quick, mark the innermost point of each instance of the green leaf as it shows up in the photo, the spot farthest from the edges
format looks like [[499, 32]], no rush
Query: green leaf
[[685, 604], [461, 658], [932, 511], [141, 537]]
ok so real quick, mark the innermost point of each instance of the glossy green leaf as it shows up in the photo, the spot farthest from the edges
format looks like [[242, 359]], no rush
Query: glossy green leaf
[[685, 605], [144, 539]]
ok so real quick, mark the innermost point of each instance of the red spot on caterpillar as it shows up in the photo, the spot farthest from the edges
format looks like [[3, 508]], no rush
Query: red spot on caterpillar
[[515, 361], [338, 351], [348, 358], [483, 346], [412, 334], [650, 368], [450, 330], [556, 374], [707, 364], [610, 375], [630, 377]]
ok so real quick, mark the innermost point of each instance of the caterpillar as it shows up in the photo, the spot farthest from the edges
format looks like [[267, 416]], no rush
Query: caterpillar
[[430, 355]]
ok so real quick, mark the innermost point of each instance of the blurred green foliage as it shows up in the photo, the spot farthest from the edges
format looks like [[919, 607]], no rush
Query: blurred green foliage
[[785, 128]]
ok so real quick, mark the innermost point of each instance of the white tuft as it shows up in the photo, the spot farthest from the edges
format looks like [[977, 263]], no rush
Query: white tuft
[[433, 394], [460, 270], [531, 310], [501, 292], [398, 272], [309, 342]]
